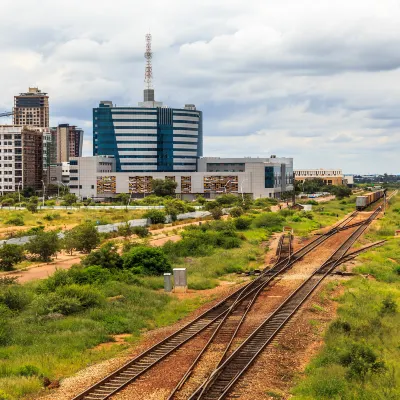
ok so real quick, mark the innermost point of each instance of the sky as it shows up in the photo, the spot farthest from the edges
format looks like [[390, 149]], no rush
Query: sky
[[318, 81]]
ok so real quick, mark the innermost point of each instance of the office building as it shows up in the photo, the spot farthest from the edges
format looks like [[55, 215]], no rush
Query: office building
[[97, 177], [21, 158], [31, 108], [151, 137], [329, 176], [68, 142], [144, 139]]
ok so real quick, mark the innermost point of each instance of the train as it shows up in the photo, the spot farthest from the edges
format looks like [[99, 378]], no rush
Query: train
[[363, 202]]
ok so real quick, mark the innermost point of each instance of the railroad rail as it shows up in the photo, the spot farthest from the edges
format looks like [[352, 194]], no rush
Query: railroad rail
[[223, 378], [136, 367]]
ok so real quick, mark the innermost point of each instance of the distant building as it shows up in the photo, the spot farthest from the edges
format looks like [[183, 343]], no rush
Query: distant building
[[329, 176], [96, 177], [149, 139], [68, 142], [32, 108], [21, 158]]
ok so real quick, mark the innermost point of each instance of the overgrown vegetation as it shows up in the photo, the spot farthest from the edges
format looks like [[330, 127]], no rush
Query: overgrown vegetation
[[361, 356]]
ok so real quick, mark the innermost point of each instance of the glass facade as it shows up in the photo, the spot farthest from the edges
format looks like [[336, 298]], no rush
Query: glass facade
[[148, 139]]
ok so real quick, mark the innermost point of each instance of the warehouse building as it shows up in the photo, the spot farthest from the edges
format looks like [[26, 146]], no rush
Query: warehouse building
[[97, 177]]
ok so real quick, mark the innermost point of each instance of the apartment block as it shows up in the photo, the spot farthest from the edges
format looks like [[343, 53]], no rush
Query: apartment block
[[21, 158], [31, 108], [68, 142]]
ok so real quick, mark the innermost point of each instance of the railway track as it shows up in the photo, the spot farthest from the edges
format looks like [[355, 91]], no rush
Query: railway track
[[136, 367], [224, 377]]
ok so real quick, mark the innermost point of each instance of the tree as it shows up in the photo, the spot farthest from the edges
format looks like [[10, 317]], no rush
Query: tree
[[44, 244], [242, 223], [69, 199], [163, 188], [146, 261], [85, 237], [155, 216], [69, 242], [32, 205], [28, 192], [107, 257], [123, 198], [10, 254], [286, 196], [341, 191], [313, 185], [216, 213], [7, 201], [173, 207], [227, 199]]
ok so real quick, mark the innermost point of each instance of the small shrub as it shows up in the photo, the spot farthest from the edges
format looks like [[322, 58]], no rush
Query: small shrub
[[10, 254], [28, 370], [140, 231], [17, 220], [15, 297], [155, 216], [236, 212], [242, 223], [216, 213], [146, 261], [389, 306], [106, 257], [269, 220], [286, 212], [313, 202]]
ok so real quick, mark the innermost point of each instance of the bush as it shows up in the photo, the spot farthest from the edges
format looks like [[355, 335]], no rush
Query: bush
[[226, 200], [94, 274], [10, 254], [17, 220], [242, 223], [15, 297], [146, 261], [28, 370], [106, 257], [140, 231], [216, 213], [312, 202], [54, 303], [236, 212], [286, 212], [269, 220], [155, 216]]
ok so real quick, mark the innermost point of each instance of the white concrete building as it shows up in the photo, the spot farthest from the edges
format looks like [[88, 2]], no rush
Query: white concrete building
[[96, 177]]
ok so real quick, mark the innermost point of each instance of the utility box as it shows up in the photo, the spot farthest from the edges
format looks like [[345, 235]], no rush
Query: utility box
[[180, 280], [168, 282]]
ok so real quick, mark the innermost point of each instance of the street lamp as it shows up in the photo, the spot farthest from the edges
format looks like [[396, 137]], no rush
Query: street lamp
[[227, 185], [19, 193], [44, 191], [241, 188]]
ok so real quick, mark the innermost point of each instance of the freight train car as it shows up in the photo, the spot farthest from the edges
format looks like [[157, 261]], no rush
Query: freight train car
[[364, 201]]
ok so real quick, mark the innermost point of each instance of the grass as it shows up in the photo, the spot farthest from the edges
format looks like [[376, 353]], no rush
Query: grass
[[59, 218], [57, 347], [361, 355]]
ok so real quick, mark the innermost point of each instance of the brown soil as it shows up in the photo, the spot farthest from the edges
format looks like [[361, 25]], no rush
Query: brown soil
[[282, 363]]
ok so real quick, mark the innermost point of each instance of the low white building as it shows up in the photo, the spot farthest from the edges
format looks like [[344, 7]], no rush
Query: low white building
[[95, 177]]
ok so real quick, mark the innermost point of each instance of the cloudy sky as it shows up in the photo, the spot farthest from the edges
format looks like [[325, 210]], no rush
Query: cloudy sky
[[315, 80]]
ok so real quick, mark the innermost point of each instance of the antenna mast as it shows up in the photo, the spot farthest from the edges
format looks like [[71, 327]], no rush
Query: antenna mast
[[148, 55]]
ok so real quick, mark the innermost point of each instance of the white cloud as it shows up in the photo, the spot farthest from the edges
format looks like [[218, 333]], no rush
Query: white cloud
[[316, 80]]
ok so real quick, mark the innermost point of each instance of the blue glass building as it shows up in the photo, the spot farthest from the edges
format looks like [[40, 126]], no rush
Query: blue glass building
[[149, 138]]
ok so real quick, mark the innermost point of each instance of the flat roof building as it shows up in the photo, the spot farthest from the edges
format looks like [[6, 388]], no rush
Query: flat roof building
[[31, 108], [329, 176], [96, 177]]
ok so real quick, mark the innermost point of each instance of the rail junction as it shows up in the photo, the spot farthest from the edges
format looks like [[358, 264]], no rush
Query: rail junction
[[224, 320]]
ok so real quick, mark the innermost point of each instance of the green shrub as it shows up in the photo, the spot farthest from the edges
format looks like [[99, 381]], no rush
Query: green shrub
[[28, 370], [44, 244], [15, 297], [242, 223], [106, 257], [236, 212], [286, 212], [84, 237], [140, 231], [389, 306], [155, 216], [216, 213], [55, 303], [312, 202], [269, 220], [146, 261], [93, 274], [17, 220], [4, 396]]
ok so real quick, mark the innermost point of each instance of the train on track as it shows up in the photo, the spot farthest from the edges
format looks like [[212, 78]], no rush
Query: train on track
[[363, 202]]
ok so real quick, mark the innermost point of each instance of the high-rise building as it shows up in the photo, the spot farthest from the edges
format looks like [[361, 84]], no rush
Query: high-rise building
[[150, 137], [21, 158], [68, 142], [32, 108]]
